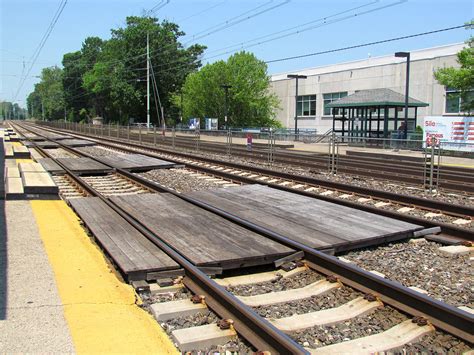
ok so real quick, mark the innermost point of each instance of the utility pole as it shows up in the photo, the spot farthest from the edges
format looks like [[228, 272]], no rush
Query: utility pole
[[296, 76], [226, 87], [407, 87], [147, 81]]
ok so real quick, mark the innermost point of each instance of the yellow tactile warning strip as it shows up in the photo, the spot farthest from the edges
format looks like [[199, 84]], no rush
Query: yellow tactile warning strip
[[100, 309]]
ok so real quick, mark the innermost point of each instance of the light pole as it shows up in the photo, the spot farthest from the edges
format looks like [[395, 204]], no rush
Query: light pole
[[296, 76], [407, 86], [226, 88]]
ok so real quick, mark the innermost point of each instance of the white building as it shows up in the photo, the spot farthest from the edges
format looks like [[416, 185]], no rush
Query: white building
[[327, 83]]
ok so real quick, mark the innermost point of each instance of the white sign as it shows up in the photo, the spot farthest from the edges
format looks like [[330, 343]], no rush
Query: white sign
[[454, 133]]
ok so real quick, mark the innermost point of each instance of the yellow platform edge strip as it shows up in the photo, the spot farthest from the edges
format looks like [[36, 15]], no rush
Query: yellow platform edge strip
[[99, 308]]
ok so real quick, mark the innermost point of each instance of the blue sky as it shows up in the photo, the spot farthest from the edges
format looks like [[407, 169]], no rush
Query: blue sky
[[23, 23]]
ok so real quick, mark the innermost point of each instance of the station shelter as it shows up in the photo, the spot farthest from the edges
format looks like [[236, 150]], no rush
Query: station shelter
[[373, 114]]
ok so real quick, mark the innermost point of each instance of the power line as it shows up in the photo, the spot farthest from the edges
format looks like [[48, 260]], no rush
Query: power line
[[364, 44], [157, 7], [45, 37], [345, 48], [320, 19], [203, 11], [236, 20], [323, 20]]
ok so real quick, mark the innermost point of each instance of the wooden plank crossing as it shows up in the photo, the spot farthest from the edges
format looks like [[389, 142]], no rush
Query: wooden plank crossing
[[42, 144], [84, 165], [133, 253], [136, 162], [316, 223], [77, 142], [51, 166], [202, 237]]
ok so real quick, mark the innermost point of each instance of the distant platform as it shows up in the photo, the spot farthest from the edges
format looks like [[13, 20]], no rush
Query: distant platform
[[316, 223], [136, 162]]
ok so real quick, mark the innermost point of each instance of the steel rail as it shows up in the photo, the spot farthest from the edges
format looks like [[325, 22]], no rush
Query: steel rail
[[410, 172], [405, 199], [257, 330], [440, 314], [361, 169]]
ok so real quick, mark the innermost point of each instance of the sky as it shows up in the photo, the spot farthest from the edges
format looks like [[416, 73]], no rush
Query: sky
[[305, 27]]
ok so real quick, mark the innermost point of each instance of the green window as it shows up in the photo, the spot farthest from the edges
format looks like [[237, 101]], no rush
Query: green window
[[328, 98], [454, 100], [306, 106]]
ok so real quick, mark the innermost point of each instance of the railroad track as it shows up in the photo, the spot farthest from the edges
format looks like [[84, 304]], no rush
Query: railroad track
[[406, 171], [453, 219], [236, 315]]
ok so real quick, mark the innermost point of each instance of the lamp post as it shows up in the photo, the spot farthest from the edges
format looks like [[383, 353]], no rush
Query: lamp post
[[407, 86], [296, 76], [226, 88]]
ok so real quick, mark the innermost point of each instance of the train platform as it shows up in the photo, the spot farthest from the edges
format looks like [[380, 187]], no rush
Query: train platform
[[58, 294], [344, 149]]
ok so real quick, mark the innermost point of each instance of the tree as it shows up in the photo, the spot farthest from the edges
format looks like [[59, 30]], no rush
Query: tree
[[462, 78], [250, 101], [48, 95], [117, 78]]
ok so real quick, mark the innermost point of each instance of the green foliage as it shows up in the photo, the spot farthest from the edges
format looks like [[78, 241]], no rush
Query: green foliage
[[48, 96], [419, 130], [250, 103], [9, 111], [108, 77], [461, 78]]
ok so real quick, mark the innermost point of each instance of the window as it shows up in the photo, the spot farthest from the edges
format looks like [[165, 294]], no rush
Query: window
[[306, 105], [328, 98], [454, 101]]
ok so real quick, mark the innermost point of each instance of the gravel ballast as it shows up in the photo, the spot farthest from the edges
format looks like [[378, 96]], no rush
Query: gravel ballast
[[98, 151], [435, 343], [334, 298], [445, 277], [375, 322], [301, 279], [181, 180]]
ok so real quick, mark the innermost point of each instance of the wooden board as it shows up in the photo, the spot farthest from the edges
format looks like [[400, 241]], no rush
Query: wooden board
[[316, 223], [136, 162], [42, 144], [134, 254], [84, 165], [51, 166], [203, 237], [77, 142]]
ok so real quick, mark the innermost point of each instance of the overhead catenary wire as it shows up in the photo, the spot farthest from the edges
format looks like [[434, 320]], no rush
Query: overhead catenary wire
[[236, 20], [365, 44], [37, 52]]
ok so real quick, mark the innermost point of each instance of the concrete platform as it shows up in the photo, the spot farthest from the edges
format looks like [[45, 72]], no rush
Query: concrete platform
[[57, 292], [38, 183], [31, 312]]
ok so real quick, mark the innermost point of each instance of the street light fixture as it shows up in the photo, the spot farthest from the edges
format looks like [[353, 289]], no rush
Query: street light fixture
[[296, 76], [226, 88], [407, 83]]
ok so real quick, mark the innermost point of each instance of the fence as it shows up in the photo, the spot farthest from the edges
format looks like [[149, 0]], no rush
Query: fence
[[277, 147]]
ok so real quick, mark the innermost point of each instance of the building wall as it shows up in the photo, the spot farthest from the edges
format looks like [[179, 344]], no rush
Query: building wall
[[372, 73]]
